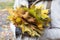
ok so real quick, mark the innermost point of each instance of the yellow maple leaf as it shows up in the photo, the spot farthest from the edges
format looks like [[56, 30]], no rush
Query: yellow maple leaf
[[40, 7], [18, 20], [45, 11], [44, 16]]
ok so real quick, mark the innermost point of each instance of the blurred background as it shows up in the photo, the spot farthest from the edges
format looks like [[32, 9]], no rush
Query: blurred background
[[6, 4]]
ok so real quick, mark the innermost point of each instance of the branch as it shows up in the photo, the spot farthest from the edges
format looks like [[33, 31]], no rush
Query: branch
[[35, 2]]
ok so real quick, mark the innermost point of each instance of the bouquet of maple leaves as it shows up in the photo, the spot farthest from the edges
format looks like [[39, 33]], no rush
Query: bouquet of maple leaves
[[31, 20]]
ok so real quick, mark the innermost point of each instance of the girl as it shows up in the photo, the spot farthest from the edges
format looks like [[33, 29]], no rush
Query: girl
[[54, 31]]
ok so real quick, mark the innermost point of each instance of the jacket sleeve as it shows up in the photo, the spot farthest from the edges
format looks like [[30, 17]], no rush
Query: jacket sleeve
[[55, 13], [54, 33]]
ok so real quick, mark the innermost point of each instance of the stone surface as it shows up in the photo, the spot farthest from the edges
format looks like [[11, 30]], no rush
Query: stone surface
[[5, 31]]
